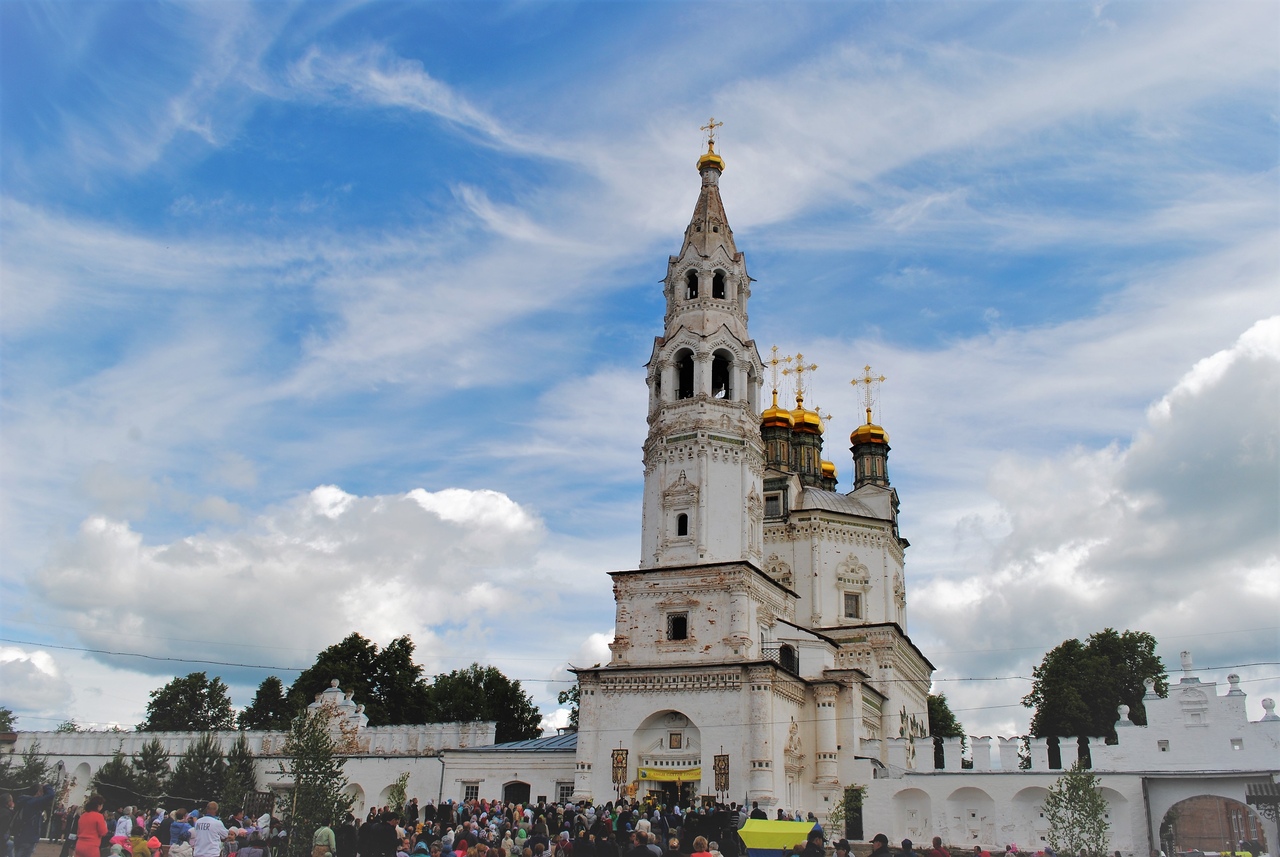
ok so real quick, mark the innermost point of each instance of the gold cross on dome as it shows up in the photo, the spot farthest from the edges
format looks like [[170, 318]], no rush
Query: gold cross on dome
[[799, 371], [870, 386], [774, 362], [710, 128]]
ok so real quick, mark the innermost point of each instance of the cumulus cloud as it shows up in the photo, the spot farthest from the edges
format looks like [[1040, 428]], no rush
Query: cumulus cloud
[[1173, 534], [302, 575], [32, 683]]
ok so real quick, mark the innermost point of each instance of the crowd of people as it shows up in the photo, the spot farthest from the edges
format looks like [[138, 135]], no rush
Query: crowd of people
[[475, 828]]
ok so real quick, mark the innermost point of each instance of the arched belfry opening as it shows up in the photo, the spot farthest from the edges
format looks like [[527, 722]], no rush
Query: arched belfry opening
[[684, 374], [722, 375], [718, 286], [691, 285]]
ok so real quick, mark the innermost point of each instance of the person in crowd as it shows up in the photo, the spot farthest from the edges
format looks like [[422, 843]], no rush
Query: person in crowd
[[906, 849], [91, 828], [842, 848], [138, 842], [700, 847], [814, 847], [937, 850], [347, 837], [323, 841], [208, 833], [880, 844], [29, 819]]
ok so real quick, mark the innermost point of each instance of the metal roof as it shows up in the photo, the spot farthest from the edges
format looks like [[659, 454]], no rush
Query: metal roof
[[567, 741]]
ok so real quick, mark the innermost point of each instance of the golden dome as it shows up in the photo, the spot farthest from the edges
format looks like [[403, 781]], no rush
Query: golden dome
[[869, 432], [829, 469], [805, 419], [776, 416], [710, 158]]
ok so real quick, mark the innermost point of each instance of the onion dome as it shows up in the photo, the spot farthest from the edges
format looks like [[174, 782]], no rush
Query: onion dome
[[829, 470], [710, 158], [869, 433], [805, 419], [776, 417]]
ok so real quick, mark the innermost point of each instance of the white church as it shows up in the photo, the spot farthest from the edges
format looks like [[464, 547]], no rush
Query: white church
[[761, 649]]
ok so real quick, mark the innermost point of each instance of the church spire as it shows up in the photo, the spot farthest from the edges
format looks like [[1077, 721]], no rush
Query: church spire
[[709, 227], [869, 443]]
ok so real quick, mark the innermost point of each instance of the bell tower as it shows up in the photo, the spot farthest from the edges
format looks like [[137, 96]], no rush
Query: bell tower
[[703, 457]]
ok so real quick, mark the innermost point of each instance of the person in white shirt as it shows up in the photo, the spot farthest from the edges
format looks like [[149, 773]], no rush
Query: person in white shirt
[[208, 833]]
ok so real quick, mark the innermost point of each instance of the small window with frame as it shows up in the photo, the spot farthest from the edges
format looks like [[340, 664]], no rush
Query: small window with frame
[[853, 605], [773, 506], [677, 626], [682, 524]]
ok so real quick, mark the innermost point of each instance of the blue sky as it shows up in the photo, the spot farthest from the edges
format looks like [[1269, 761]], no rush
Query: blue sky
[[332, 317]]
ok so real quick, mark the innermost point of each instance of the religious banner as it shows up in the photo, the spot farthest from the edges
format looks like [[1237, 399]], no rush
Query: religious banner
[[619, 767], [671, 775], [721, 767]]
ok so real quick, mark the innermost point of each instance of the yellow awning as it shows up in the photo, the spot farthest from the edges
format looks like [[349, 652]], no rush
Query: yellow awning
[[670, 775]]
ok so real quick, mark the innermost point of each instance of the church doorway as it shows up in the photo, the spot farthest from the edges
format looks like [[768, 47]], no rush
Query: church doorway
[[516, 792], [672, 794]]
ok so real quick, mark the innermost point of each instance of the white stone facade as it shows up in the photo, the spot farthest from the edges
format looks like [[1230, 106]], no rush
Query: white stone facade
[[1196, 742], [733, 637]]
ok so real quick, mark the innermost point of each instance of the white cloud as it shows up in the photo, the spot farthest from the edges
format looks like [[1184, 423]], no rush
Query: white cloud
[[323, 564], [1174, 535], [32, 684]]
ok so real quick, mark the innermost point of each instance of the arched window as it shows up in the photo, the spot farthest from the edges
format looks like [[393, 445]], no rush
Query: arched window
[[717, 285], [682, 524], [691, 285], [684, 375], [722, 375]]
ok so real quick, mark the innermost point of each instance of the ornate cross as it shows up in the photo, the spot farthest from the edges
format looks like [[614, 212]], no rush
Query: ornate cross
[[774, 362], [870, 386], [799, 371], [710, 128]]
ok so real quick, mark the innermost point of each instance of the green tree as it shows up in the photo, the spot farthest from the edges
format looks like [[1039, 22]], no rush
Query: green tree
[[115, 781], [397, 794], [319, 783], [195, 703], [241, 778], [386, 681], [847, 814], [1078, 686], [33, 771], [8, 722], [573, 698], [943, 724], [68, 725], [201, 772], [270, 708], [151, 769], [1076, 813], [484, 693]]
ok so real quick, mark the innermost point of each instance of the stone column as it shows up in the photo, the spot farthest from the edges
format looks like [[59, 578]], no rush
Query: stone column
[[951, 753], [759, 753], [824, 696], [1039, 754], [1008, 754]]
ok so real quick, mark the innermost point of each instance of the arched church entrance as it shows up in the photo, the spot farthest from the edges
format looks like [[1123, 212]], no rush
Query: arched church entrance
[[516, 792], [669, 758], [1212, 823]]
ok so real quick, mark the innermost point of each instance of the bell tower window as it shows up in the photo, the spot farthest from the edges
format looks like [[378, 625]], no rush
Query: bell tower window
[[691, 285], [684, 375], [721, 376], [717, 285], [677, 626]]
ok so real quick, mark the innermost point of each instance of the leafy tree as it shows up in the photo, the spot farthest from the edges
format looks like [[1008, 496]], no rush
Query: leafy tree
[[1078, 686], [33, 771], [397, 794], [270, 708], [319, 783], [241, 778], [943, 724], [573, 698], [8, 722], [847, 814], [195, 703], [484, 693], [386, 681], [1077, 814], [68, 725], [151, 769], [115, 781], [201, 772]]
